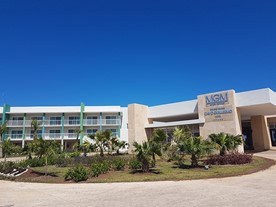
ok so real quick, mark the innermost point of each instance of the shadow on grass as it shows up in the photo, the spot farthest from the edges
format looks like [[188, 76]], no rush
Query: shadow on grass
[[151, 171]]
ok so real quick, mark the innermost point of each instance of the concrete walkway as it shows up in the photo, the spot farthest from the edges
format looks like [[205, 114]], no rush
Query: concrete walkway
[[258, 189]]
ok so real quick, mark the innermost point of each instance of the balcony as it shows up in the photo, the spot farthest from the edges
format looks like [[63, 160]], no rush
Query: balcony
[[14, 136], [86, 122], [15, 123], [111, 122]]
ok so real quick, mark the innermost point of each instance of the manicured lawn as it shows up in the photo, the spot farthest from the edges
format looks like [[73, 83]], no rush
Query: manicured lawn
[[163, 171]]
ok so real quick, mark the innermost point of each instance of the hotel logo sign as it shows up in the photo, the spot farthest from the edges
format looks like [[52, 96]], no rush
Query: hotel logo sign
[[218, 107], [216, 99]]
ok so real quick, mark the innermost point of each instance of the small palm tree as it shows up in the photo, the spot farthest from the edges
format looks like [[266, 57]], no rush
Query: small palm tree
[[8, 148], [196, 147], [3, 130], [35, 125], [225, 142], [78, 132], [143, 153], [46, 149], [85, 148], [156, 142], [101, 139]]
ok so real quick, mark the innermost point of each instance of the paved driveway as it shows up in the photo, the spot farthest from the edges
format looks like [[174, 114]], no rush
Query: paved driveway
[[258, 189]]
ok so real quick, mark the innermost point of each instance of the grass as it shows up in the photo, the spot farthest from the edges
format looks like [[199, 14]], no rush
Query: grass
[[163, 171]]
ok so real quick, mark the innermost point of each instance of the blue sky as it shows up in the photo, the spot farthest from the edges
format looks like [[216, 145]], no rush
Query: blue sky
[[121, 52]]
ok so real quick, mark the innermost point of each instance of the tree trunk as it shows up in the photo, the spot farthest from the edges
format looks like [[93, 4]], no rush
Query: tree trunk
[[118, 152], [46, 163], [222, 152], [101, 152], [194, 161]]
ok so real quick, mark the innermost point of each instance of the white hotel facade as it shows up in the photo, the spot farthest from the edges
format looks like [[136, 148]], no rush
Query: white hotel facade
[[251, 113]]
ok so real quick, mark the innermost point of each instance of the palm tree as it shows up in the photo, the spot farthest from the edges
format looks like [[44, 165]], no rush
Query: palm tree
[[46, 149], [8, 148], [3, 130], [196, 147], [156, 142], [85, 148], [225, 142], [35, 124], [78, 132], [101, 139], [143, 154]]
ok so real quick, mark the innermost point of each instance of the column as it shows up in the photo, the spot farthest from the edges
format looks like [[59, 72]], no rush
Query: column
[[119, 124], [81, 123], [43, 126], [101, 121], [62, 131], [24, 130]]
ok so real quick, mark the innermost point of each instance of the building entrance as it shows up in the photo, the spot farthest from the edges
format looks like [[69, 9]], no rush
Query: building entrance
[[247, 135]]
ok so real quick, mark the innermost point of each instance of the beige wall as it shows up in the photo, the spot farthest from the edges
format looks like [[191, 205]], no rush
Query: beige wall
[[137, 118], [260, 133], [230, 123]]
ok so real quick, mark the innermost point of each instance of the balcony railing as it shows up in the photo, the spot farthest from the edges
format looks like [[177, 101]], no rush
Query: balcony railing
[[14, 136], [12, 123], [111, 121], [91, 122]]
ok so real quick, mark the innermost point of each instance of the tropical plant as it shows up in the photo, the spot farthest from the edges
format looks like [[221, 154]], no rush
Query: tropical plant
[[46, 149], [78, 173], [85, 148], [156, 143], [3, 130], [101, 139], [225, 142], [196, 147], [78, 132], [8, 149], [143, 154], [35, 125]]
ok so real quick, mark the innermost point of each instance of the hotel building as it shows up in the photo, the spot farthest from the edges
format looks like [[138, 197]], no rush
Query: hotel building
[[251, 113]]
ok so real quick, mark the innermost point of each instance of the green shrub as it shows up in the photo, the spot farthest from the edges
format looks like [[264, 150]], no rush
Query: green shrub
[[100, 168], [118, 164], [96, 169], [134, 164], [74, 154], [78, 173], [35, 162]]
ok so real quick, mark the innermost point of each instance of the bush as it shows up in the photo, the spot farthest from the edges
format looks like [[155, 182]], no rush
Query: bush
[[118, 164], [78, 173], [100, 168], [134, 164], [35, 162], [74, 154], [230, 159]]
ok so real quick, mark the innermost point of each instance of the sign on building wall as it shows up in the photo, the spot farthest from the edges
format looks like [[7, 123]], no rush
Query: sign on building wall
[[218, 107]]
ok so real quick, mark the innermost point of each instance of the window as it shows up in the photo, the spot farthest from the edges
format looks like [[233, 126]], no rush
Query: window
[[38, 118], [54, 133], [55, 120], [72, 133], [91, 131], [110, 119], [17, 118], [74, 120], [17, 121], [38, 132], [16, 134], [92, 120]]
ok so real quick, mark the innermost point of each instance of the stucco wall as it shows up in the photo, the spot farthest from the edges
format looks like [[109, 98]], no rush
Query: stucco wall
[[137, 119], [260, 133]]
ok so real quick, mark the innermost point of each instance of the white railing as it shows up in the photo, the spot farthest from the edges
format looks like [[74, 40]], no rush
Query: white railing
[[15, 123], [72, 122], [52, 136], [70, 135], [14, 136], [91, 122], [111, 121]]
